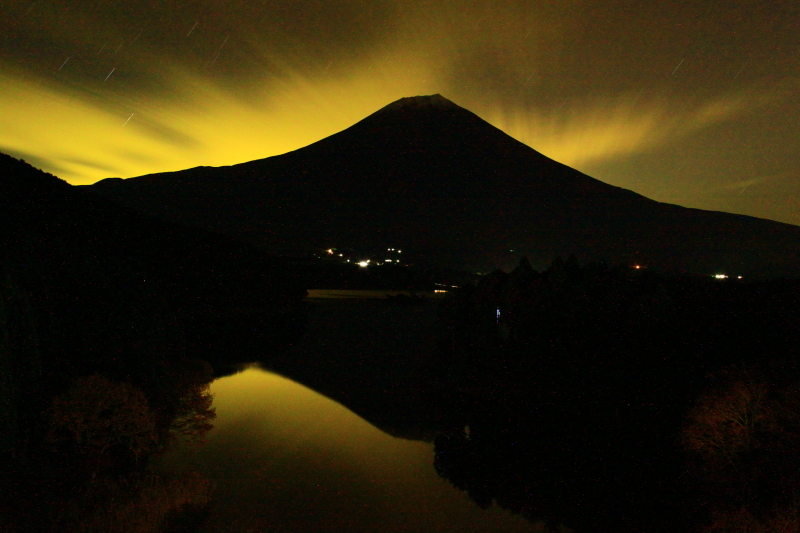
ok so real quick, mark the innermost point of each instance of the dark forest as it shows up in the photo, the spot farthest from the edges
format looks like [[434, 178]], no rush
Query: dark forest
[[618, 399]]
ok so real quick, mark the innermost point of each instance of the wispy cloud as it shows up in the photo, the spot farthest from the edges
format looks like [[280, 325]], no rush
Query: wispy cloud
[[591, 132], [743, 185]]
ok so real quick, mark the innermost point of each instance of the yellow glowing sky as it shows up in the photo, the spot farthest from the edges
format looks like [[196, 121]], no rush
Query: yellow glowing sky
[[688, 102]]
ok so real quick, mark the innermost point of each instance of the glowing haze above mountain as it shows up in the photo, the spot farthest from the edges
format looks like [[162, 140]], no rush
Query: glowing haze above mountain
[[687, 103]]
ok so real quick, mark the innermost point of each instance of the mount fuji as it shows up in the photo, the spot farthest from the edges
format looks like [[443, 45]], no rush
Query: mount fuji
[[433, 178]]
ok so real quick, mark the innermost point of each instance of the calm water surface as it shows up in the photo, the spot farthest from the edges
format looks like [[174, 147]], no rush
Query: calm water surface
[[285, 458]]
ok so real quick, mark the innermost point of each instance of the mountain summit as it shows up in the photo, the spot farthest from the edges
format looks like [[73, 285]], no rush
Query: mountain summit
[[432, 101], [429, 176]]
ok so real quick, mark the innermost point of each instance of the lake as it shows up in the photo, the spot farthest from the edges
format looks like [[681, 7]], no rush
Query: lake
[[286, 458]]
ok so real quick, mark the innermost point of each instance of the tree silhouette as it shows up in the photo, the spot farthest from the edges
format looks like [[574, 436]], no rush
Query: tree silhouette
[[194, 414], [726, 424], [744, 434], [97, 415]]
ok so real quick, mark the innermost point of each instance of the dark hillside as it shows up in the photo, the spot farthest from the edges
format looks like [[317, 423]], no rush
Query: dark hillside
[[432, 177], [87, 288]]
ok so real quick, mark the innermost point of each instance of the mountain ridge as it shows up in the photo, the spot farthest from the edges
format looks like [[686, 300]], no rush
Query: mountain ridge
[[428, 175]]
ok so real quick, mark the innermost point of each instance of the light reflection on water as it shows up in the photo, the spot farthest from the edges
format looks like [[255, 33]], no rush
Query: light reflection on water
[[285, 458]]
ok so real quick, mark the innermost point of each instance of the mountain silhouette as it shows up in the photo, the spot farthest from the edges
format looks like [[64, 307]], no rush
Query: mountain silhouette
[[92, 276], [60, 232], [433, 178]]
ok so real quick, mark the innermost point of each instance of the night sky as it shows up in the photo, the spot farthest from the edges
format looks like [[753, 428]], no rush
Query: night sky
[[691, 102]]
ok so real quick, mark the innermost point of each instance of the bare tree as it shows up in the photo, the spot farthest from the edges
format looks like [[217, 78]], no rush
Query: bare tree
[[725, 423], [97, 414]]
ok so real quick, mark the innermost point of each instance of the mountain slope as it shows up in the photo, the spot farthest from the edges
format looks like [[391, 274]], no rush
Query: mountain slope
[[432, 177], [57, 229], [96, 278]]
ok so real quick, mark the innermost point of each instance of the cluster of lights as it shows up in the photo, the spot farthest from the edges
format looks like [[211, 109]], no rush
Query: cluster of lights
[[365, 262], [715, 276]]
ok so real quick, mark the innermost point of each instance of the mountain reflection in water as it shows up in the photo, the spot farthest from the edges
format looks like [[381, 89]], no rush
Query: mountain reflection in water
[[285, 458]]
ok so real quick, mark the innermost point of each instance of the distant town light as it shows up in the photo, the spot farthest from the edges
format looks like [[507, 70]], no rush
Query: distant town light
[[439, 290], [738, 277], [721, 276], [637, 267], [330, 251], [363, 263], [388, 260]]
